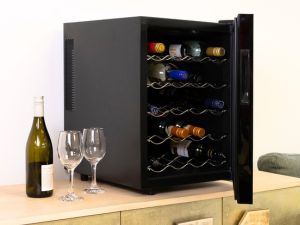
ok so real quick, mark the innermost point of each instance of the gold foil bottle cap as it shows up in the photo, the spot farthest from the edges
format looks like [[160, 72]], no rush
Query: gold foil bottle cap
[[215, 51], [196, 131], [179, 132], [160, 47]]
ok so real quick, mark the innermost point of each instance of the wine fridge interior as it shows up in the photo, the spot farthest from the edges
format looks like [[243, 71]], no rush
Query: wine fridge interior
[[168, 119], [173, 101]]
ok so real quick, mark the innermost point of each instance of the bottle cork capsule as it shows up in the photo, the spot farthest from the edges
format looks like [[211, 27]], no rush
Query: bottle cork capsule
[[160, 47], [179, 132], [196, 131], [215, 51], [154, 47]]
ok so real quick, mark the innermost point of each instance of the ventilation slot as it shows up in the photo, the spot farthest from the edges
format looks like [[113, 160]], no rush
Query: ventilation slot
[[69, 74]]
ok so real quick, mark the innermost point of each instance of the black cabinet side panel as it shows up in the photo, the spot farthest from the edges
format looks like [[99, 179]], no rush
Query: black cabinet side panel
[[106, 92]]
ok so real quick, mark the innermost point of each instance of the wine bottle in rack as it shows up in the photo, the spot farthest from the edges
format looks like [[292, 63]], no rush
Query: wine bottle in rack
[[212, 103], [195, 78], [155, 163], [161, 98], [162, 72], [193, 130], [195, 150], [156, 48], [153, 109], [195, 49], [165, 129], [215, 51], [189, 48], [194, 100]]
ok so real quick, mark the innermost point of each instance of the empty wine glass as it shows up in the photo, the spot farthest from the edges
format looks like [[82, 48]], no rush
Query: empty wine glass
[[94, 149], [70, 154]]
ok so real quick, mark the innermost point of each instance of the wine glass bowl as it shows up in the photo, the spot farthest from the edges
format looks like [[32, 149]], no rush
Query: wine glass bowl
[[94, 149], [70, 154]]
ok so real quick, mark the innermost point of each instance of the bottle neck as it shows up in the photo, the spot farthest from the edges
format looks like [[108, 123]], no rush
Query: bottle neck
[[38, 122], [38, 109]]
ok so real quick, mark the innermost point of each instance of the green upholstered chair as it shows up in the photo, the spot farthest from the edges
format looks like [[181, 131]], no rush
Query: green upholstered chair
[[280, 163]]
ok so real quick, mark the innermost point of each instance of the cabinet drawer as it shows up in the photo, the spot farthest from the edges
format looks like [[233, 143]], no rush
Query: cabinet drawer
[[171, 214], [283, 205], [104, 219]]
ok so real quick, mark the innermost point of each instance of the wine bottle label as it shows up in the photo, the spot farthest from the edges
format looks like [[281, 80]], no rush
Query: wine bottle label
[[175, 50], [181, 148], [47, 177]]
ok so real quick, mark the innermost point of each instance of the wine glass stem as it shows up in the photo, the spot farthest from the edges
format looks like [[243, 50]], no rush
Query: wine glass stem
[[71, 181], [94, 180]]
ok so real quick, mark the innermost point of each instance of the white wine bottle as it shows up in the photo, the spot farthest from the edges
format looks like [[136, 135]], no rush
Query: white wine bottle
[[39, 156], [197, 151]]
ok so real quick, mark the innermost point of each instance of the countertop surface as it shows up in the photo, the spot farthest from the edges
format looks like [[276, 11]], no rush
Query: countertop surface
[[16, 208]]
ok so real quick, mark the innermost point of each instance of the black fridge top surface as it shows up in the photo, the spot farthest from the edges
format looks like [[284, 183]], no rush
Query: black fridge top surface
[[165, 22]]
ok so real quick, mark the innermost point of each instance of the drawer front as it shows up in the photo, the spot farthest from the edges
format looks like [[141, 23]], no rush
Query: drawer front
[[104, 219], [284, 206], [172, 214]]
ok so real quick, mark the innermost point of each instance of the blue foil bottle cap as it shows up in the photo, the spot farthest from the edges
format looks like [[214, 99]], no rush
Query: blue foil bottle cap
[[178, 74], [214, 103], [153, 109]]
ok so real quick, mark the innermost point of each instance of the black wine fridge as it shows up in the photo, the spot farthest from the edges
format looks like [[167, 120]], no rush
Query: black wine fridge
[[171, 116]]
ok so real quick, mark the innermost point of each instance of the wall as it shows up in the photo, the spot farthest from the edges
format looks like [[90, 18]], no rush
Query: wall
[[32, 64]]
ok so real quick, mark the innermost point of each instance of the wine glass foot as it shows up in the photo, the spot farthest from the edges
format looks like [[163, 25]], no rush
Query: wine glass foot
[[70, 197], [94, 190]]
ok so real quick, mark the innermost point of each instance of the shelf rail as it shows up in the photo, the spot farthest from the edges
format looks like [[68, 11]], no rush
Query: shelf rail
[[161, 85], [162, 163], [157, 58], [158, 140], [177, 111]]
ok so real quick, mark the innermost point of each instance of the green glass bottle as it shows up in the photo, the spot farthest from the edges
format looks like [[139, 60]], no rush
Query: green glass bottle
[[39, 156]]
